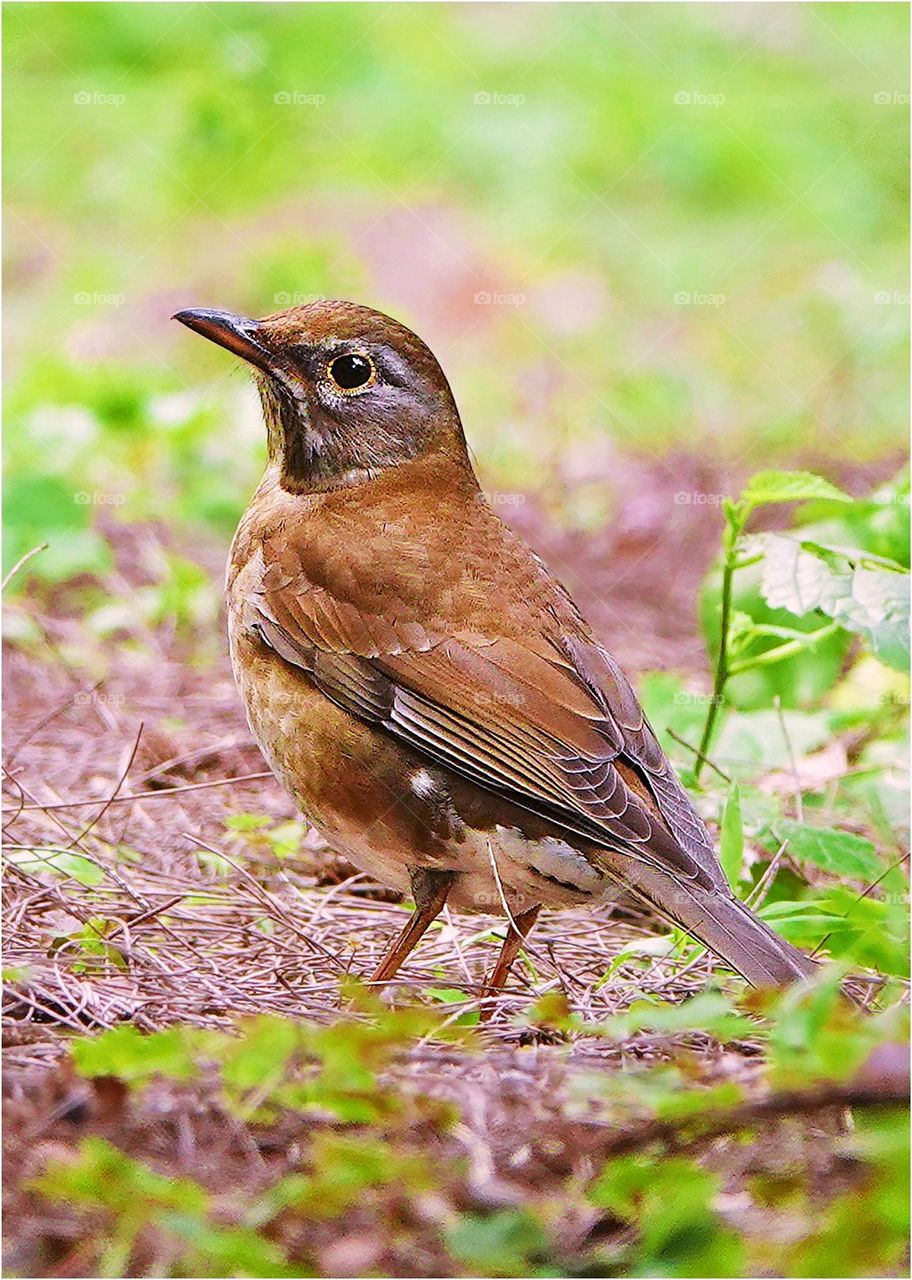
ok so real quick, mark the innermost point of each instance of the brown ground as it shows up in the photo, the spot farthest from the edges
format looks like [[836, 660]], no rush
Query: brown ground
[[207, 924]]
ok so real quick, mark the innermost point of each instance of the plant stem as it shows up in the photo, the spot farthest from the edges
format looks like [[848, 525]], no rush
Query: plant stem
[[734, 524], [784, 650]]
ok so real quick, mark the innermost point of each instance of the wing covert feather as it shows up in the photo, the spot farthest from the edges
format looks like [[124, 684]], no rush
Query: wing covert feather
[[553, 725]]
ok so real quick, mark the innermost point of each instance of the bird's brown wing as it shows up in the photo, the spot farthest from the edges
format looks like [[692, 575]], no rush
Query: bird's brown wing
[[546, 719]]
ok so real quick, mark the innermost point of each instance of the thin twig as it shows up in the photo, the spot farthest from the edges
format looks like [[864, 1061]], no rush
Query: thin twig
[[695, 750], [500, 889], [758, 894], [23, 560], [158, 794], [871, 887], [107, 804], [793, 763], [692, 1130]]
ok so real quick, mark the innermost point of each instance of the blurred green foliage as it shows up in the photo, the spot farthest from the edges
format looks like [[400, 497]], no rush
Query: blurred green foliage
[[619, 169], [661, 1209]]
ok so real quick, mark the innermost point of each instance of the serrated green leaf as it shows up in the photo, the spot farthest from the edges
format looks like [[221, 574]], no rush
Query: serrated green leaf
[[879, 611], [793, 578], [863, 594], [768, 487], [841, 852]]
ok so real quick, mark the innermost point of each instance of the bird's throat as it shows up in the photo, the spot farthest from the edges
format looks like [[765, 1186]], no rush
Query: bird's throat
[[309, 460]]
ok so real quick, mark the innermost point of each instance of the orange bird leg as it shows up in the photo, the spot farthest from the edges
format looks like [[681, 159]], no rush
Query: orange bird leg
[[430, 889], [517, 931]]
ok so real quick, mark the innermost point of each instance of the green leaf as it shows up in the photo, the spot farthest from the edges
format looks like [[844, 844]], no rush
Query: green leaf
[[767, 487], [58, 862], [130, 1055], [505, 1243], [841, 852], [759, 809], [261, 1053], [710, 1011], [343, 1168], [217, 1250], [800, 680], [688, 1101], [859, 929], [861, 593], [247, 821], [792, 578], [864, 1231], [671, 706], [104, 1177], [670, 1203], [878, 609], [752, 743], [731, 844], [285, 839], [816, 1034], [44, 508]]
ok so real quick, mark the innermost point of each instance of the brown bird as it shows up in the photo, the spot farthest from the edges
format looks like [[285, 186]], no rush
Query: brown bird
[[424, 688]]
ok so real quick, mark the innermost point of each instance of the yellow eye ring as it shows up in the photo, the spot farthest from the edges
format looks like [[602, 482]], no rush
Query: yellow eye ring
[[352, 372]]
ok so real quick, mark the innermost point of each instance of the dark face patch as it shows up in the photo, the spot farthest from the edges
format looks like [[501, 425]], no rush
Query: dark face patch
[[339, 412], [346, 391]]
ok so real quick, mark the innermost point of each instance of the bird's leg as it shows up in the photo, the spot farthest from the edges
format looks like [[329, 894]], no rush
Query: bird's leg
[[518, 930], [429, 889]]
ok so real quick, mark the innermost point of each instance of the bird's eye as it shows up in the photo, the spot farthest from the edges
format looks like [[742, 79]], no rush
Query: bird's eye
[[351, 372]]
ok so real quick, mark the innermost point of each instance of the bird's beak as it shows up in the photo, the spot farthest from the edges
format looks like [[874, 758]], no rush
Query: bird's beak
[[238, 334]]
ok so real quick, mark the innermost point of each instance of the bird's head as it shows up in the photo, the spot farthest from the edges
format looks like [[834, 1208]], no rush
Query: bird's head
[[346, 391]]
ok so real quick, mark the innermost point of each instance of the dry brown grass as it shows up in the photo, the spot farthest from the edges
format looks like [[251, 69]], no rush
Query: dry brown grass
[[133, 756], [206, 923]]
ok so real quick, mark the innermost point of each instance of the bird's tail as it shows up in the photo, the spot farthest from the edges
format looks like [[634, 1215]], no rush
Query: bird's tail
[[724, 924]]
